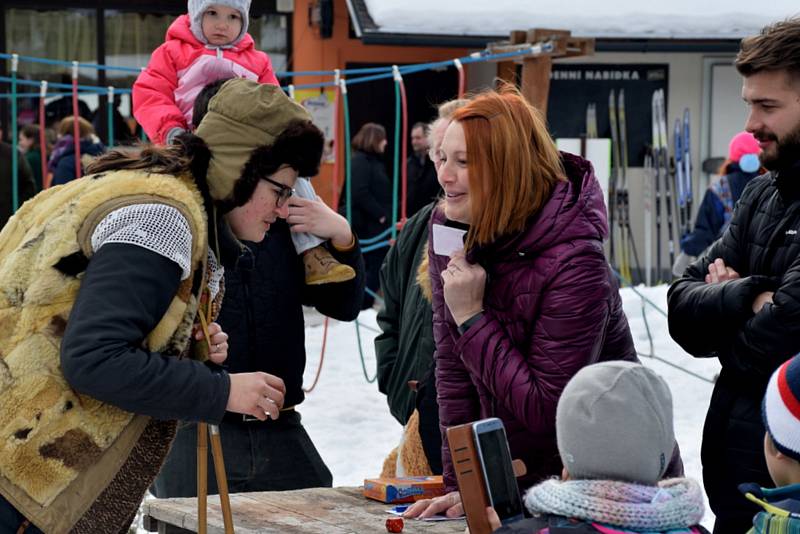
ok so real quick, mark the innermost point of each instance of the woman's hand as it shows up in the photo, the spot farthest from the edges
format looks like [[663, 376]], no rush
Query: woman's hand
[[450, 504], [464, 285], [217, 342], [257, 394], [316, 217]]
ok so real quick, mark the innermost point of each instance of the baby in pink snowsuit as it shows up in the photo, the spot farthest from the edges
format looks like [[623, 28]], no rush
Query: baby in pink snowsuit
[[207, 44]]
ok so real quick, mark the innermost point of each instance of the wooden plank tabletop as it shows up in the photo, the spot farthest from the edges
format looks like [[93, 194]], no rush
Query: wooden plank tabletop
[[316, 511]]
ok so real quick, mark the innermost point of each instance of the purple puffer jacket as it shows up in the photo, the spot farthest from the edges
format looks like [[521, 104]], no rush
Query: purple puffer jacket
[[551, 306]]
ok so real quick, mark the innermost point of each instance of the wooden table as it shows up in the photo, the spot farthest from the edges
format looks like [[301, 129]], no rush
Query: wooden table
[[317, 510]]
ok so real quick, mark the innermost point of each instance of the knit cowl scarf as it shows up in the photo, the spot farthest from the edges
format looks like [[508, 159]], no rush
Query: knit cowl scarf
[[674, 504]]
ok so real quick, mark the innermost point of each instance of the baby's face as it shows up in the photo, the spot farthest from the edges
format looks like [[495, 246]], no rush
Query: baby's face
[[221, 24]]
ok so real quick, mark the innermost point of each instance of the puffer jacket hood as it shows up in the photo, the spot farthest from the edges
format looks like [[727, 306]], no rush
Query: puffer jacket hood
[[575, 210], [181, 29]]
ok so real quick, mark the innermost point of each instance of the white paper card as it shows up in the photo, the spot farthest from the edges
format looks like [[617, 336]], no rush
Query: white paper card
[[447, 240]]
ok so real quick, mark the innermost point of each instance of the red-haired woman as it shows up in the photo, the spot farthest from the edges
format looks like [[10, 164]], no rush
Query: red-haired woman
[[531, 300]]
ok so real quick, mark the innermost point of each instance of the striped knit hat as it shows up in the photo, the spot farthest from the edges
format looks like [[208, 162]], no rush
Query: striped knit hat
[[781, 408]]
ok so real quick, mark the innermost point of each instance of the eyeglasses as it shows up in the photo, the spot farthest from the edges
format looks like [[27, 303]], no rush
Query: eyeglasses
[[283, 192]]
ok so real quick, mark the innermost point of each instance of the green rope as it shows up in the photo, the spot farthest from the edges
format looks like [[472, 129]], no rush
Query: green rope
[[349, 210], [110, 109]]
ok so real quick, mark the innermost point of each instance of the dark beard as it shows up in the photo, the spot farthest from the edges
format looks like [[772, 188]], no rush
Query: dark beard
[[788, 151]]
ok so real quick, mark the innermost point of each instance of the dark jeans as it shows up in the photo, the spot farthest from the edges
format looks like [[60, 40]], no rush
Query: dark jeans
[[259, 456], [11, 519]]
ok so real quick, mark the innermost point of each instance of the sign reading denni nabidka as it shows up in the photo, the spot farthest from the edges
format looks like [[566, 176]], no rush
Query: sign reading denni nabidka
[[574, 86]]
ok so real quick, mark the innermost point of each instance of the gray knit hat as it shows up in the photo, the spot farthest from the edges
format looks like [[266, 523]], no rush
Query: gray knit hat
[[196, 9], [614, 422]]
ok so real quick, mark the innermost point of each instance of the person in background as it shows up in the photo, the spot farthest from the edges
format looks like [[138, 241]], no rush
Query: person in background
[[371, 198], [62, 159], [405, 347], [29, 145], [714, 214], [26, 187], [740, 301], [614, 431], [780, 505], [423, 187], [122, 131]]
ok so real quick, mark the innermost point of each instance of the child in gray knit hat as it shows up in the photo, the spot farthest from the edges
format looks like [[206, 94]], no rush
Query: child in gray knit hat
[[615, 438], [208, 44]]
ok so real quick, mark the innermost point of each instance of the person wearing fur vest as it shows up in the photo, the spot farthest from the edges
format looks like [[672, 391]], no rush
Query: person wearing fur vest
[[111, 284]]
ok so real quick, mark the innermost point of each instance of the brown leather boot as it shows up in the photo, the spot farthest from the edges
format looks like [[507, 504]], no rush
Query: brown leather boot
[[322, 268]]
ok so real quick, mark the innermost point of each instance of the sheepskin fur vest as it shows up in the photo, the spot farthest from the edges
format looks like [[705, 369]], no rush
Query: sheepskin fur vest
[[68, 462]]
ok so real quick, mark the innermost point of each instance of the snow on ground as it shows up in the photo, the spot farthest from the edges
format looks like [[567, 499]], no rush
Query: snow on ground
[[620, 18], [349, 421]]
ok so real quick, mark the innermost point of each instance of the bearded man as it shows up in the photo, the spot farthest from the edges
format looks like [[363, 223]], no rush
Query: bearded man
[[740, 302]]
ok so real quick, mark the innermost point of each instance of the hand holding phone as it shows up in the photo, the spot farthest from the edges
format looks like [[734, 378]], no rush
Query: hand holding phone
[[498, 473]]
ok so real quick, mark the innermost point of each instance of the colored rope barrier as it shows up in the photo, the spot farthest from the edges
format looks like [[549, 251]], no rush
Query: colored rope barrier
[[42, 135], [76, 126], [14, 136]]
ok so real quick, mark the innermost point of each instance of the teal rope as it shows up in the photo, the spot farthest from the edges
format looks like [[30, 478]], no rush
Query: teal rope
[[375, 239], [14, 142], [347, 182], [361, 355], [376, 246], [396, 162]]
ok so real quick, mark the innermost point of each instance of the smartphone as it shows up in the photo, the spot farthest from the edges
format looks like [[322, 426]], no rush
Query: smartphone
[[498, 473]]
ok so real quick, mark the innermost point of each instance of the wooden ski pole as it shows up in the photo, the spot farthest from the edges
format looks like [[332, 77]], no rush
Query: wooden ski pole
[[222, 481], [202, 477]]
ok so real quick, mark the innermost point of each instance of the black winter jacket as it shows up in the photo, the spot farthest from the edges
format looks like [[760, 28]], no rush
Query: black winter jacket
[[423, 186], [262, 308], [64, 166], [404, 349], [125, 292], [371, 195], [762, 244]]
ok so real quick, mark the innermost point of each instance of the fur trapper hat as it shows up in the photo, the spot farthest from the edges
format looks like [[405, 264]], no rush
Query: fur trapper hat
[[251, 130]]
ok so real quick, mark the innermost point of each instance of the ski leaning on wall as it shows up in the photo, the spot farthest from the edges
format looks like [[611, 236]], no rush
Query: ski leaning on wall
[[661, 175], [666, 171]]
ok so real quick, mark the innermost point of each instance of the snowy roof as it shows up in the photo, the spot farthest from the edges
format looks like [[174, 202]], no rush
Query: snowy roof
[[616, 19]]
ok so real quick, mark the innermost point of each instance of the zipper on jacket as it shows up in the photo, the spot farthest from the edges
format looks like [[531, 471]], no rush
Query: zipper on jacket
[[219, 53]]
